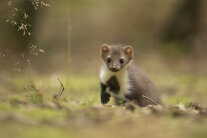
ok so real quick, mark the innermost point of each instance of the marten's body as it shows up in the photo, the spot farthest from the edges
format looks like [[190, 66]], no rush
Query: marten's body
[[122, 80]]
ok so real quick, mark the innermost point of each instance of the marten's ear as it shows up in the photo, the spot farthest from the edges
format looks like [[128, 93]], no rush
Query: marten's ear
[[128, 50], [105, 48]]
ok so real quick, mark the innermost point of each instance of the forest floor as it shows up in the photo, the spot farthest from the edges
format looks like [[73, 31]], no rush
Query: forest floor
[[28, 109]]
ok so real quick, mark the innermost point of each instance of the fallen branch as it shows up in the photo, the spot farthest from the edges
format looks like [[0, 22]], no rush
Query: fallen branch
[[61, 90]]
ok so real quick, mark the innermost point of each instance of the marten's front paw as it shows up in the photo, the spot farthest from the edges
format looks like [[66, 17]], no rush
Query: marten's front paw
[[105, 98]]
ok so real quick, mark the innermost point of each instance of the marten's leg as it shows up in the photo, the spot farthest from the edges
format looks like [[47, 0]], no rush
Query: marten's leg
[[105, 97]]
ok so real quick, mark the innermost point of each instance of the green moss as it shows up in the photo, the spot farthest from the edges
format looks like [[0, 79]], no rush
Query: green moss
[[14, 100], [37, 97], [5, 107], [177, 99]]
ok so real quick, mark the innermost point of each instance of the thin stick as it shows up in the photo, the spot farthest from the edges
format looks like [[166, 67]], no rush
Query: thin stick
[[150, 99], [61, 91]]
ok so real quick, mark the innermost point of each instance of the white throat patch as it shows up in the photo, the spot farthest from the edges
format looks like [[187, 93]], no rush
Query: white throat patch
[[122, 78]]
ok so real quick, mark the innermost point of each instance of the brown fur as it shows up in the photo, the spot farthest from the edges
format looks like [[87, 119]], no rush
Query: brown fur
[[140, 84]]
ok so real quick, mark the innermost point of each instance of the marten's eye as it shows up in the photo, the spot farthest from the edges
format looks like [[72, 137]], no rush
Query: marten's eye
[[121, 60], [108, 60]]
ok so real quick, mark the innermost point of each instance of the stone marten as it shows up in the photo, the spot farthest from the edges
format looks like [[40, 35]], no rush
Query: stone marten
[[122, 80]]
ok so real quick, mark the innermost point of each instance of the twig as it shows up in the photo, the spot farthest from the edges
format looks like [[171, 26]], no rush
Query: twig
[[61, 90], [150, 99]]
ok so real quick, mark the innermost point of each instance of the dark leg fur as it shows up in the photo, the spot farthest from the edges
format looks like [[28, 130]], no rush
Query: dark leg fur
[[105, 97]]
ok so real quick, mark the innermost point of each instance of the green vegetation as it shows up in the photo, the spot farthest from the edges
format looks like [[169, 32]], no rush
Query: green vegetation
[[41, 39], [31, 111]]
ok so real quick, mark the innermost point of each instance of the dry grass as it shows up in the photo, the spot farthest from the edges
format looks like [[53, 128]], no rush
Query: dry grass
[[31, 112]]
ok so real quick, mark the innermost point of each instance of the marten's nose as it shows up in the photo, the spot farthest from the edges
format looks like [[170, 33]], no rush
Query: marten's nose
[[114, 68]]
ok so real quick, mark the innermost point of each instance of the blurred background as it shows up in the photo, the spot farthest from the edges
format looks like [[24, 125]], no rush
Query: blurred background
[[43, 40], [174, 31], [64, 38]]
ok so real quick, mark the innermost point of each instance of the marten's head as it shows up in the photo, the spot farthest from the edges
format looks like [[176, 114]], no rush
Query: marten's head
[[116, 57]]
